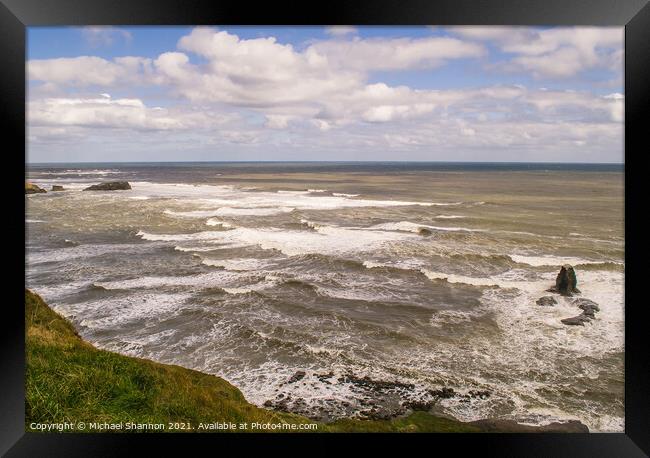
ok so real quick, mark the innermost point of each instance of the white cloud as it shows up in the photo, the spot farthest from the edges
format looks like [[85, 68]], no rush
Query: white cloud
[[256, 72], [105, 112], [558, 52], [341, 30], [396, 53], [261, 92], [89, 70], [104, 35]]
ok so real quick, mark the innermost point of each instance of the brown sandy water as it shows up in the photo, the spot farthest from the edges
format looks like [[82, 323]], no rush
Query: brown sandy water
[[419, 277]]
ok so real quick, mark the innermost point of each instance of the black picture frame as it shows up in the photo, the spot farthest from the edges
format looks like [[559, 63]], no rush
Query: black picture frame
[[634, 15]]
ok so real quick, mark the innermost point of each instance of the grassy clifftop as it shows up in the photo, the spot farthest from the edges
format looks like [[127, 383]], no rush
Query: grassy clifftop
[[69, 380]]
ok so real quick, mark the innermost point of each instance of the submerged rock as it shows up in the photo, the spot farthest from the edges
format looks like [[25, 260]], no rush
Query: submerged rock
[[57, 187], [297, 377], [109, 186], [546, 301], [31, 188], [587, 305], [579, 320], [424, 231], [444, 393], [589, 309]]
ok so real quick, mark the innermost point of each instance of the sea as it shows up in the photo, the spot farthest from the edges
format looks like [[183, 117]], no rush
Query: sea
[[343, 289]]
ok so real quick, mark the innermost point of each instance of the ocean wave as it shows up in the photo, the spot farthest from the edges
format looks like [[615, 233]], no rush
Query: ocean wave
[[198, 249], [240, 264], [82, 172], [236, 211], [342, 194], [555, 261], [226, 196], [216, 222], [205, 235], [326, 239], [73, 250], [474, 281], [408, 226], [217, 278]]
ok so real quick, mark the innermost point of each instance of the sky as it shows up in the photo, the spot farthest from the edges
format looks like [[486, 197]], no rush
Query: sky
[[341, 93]]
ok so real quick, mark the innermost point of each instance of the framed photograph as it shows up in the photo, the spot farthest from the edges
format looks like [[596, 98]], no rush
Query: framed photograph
[[415, 222]]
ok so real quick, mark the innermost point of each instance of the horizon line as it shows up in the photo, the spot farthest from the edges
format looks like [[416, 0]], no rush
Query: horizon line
[[323, 162]]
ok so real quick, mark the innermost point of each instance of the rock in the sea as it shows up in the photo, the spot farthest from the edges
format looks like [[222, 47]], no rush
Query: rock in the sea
[[579, 320], [444, 393], [57, 187], [109, 186], [589, 309], [299, 375], [587, 305], [31, 188], [566, 281], [546, 301], [424, 231]]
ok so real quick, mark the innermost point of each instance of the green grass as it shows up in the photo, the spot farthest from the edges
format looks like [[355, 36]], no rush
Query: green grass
[[69, 380]]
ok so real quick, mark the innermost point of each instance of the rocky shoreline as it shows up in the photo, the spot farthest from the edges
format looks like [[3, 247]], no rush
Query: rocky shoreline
[[406, 401], [410, 416]]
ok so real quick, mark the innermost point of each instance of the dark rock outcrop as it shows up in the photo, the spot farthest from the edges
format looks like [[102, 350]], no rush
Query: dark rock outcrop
[[57, 187], [31, 188], [109, 186], [297, 377], [548, 301], [566, 281], [589, 309], [587, 305], [424, 231], [374, 385], [578, 320], [444, 393]]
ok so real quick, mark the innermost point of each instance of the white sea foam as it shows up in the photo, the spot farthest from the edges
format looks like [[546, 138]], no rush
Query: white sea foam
[[79, 252], [198, 249], [216, 222], [234, 211], [325, 240], [310, 224], [283, 191], [342, 194], [217, 278], [476, 281], [539, 261], [212, 197], [442, 318], [238, 264], [123, 310], [373, 265], [84, 172], [206, 235], [416, 228]]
